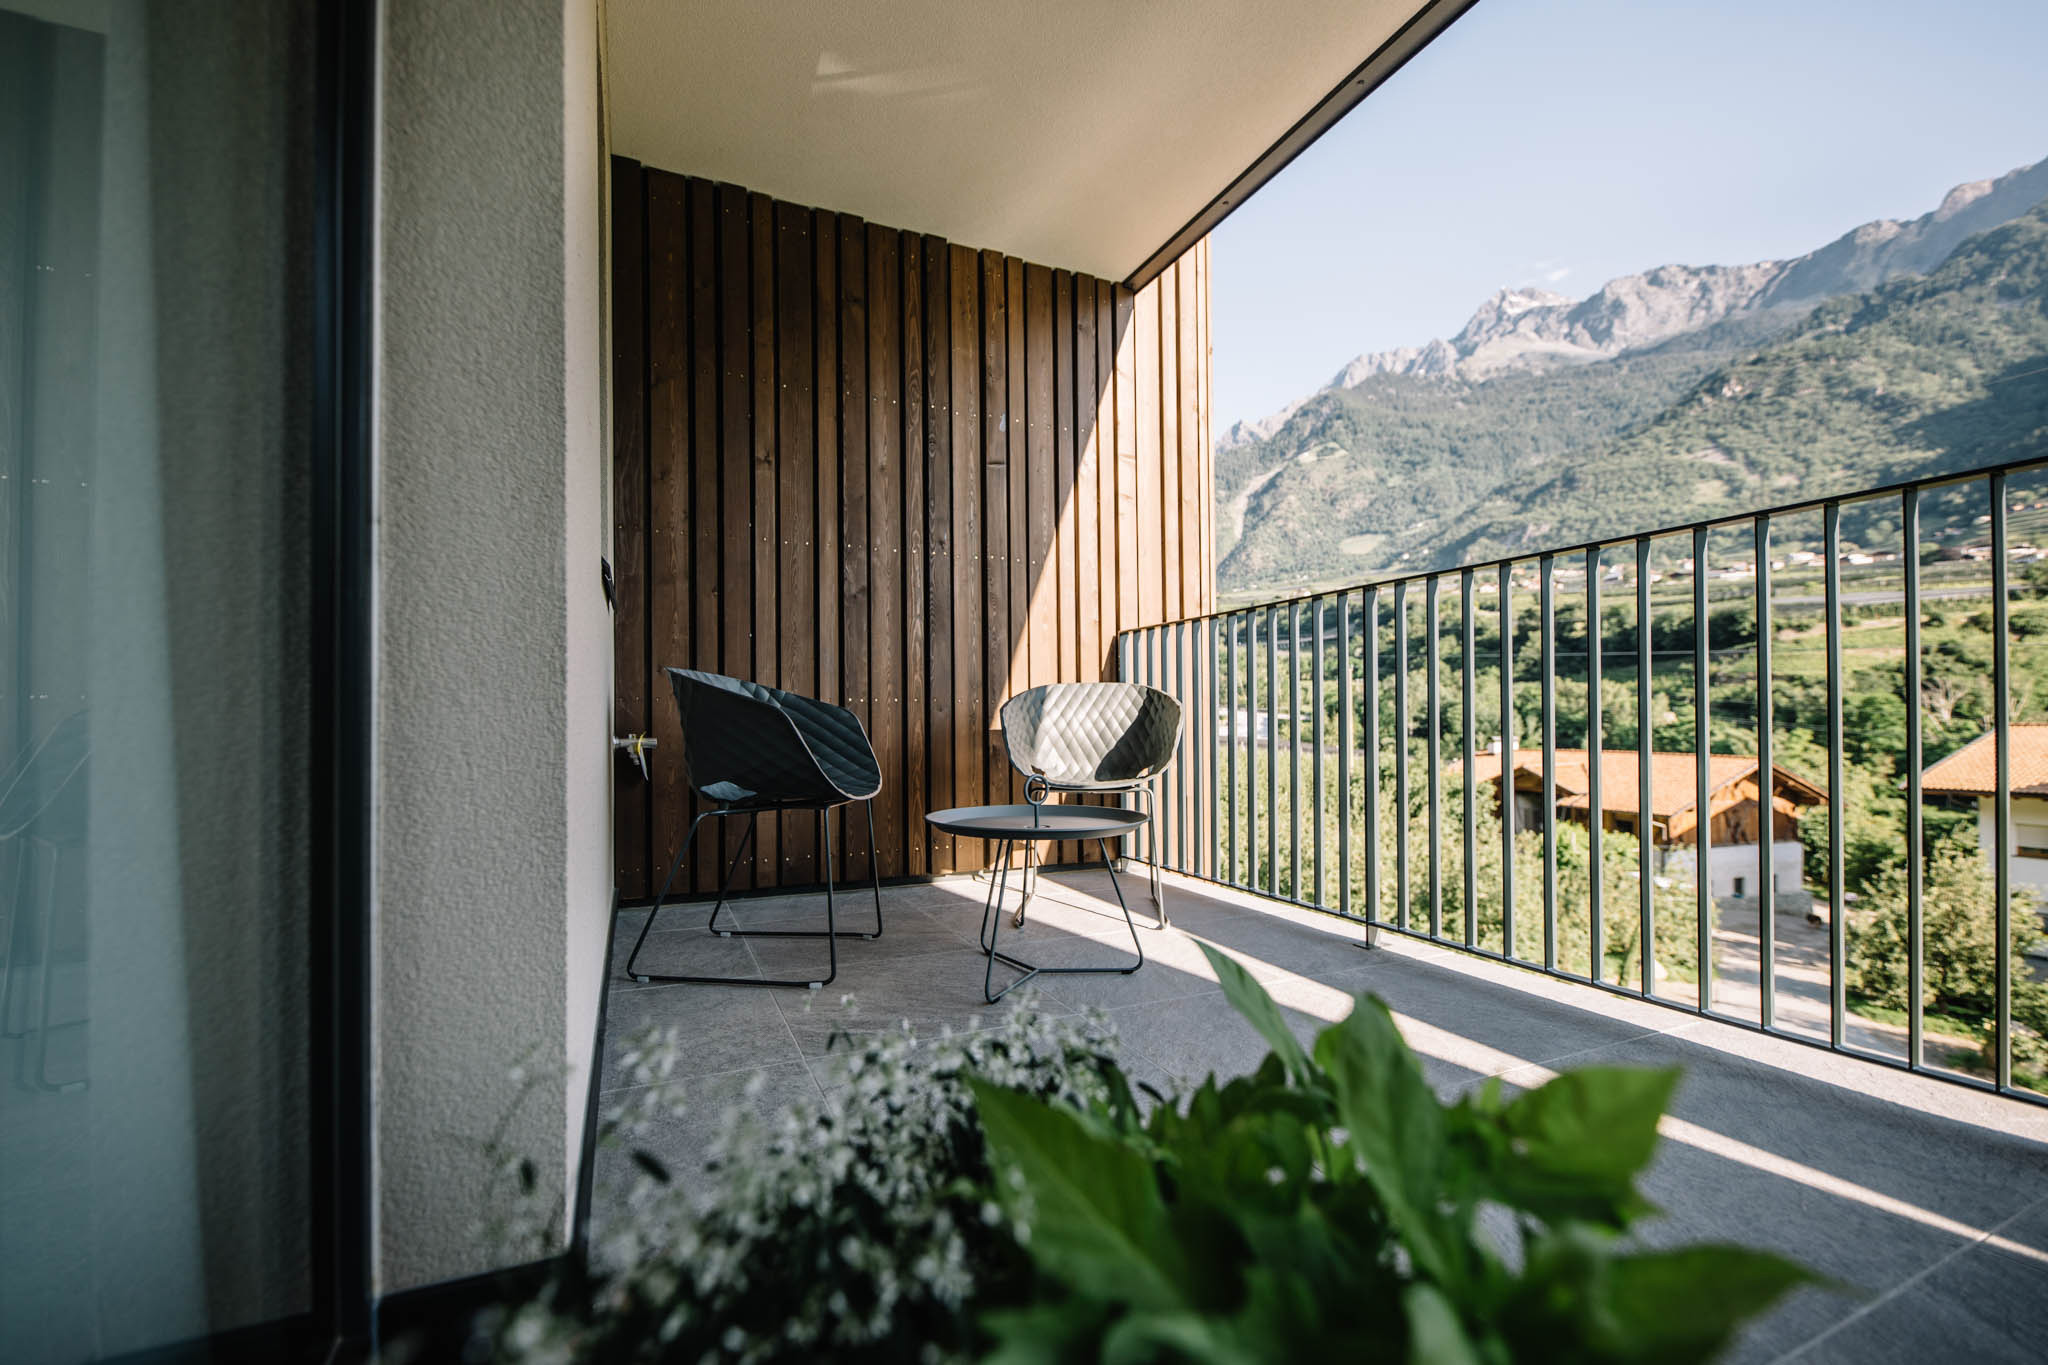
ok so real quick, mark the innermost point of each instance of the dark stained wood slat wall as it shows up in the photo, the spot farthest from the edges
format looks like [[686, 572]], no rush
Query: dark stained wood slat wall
[[898, 474]]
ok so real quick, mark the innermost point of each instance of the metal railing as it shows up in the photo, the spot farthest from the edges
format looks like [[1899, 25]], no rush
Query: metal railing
[[1585, 905]]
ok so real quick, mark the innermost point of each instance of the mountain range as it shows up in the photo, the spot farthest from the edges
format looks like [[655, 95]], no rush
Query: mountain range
[[1548, 421]]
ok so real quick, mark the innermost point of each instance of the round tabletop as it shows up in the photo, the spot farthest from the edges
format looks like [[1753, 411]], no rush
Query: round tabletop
[[1036, 822]]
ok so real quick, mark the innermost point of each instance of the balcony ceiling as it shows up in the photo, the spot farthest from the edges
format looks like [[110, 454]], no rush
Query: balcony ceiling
[[1076, 133]]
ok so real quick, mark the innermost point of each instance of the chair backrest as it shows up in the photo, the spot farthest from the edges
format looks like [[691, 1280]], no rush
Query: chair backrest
[[746, 744], [1091, 734]]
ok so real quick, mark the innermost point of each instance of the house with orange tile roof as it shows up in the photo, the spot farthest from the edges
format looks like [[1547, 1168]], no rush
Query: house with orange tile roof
[[1734, 811], [1971, 773]]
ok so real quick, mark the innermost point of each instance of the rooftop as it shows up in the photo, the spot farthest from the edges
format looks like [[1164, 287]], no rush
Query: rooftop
[[1928, 1202], [1973, 769], [1673, 777]]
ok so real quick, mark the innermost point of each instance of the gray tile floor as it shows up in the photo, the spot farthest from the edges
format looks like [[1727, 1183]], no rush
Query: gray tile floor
[[1927, 1201]]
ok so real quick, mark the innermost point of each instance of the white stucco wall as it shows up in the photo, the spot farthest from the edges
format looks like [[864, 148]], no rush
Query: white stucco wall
[[1726, 862], [2029, 825], [491, 883]]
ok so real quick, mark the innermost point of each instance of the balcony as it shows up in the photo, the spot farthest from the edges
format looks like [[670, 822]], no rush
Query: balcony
[[1925, 1198]]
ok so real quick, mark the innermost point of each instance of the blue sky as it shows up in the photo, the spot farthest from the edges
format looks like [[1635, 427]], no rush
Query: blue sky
[[1564, 142]]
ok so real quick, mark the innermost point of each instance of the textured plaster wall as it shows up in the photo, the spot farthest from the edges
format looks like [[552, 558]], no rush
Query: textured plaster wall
[[588, 868], [487, 463]]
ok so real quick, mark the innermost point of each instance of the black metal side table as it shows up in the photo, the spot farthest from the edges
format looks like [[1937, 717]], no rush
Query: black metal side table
[[1009, 826]]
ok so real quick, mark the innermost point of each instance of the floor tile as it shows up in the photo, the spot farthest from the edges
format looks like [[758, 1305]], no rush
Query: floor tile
[[718, 1028]]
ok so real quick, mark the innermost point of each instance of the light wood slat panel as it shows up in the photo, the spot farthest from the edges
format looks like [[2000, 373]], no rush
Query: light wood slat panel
[[1129, 571], [1169, 541], [893, 473], [1151, 545], [1188, 459]]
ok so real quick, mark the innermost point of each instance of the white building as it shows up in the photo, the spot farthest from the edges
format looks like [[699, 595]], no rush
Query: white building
[[1971, 771]]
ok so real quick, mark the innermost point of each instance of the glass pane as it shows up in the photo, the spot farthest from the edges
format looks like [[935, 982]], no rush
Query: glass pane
[[154, 310]]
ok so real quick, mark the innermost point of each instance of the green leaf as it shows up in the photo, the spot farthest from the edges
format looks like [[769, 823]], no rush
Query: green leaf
[[1397, 1130], [1091, 1204], [1435, 1336], [1046, 1333], [1576, 1144], [1251, 1000], [1684, 1305]]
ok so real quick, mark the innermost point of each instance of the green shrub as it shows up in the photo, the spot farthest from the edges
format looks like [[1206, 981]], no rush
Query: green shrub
[[1328, 1207]]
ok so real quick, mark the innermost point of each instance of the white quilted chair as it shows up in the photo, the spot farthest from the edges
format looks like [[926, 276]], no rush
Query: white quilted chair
[[1092, 738]]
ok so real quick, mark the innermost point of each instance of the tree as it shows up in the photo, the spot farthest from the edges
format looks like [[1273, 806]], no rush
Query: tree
[[1959, 949]]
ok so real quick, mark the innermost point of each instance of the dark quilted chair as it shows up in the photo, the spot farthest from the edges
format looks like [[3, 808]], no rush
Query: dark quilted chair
[[749, 749], [1107, 737]]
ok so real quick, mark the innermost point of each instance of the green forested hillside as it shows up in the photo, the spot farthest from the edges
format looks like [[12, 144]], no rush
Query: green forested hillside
[[1949, 371], [1945, 371]]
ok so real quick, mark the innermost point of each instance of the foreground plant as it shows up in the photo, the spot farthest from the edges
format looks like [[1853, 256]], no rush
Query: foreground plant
[[856, 1229], [1330, 1207]]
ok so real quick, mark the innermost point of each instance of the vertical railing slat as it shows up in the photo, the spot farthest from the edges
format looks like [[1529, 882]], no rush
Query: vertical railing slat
[[1315, 665], [1230, 636], [1344, 753], [1596, 814], [1401, 736], [2001, 811], [1468, 677], [1272, 754], [1432, 682], [1646, 807], [1703, 771], [1838, 942], [1547, 567], [1766, 780], [1916, 834], [1370, 659], [1506, 787]]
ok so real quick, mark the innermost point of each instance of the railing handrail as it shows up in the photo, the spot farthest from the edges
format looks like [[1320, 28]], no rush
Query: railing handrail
[[1790, 509], [1197, 827]]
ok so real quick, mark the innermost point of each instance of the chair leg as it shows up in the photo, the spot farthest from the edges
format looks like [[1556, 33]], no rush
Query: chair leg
[[13, 915], [1027, 882], [1158, 891], [830, 935], [731, 868], [874, 867]]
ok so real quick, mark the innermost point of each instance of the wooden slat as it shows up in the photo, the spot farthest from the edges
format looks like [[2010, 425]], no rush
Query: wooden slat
[[853, 505], [826, 403], [885, 525], [631, 796], [1168, 539], [892, 473], [702, 649], [1187, 458], [938, 515], [1130, 570], [796, 494], [1041, 471], [1087, 490], [995, 464], [1017, 676], [970, 698], [766, 527], [911, 511], [1105, 476], [735, 466]]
